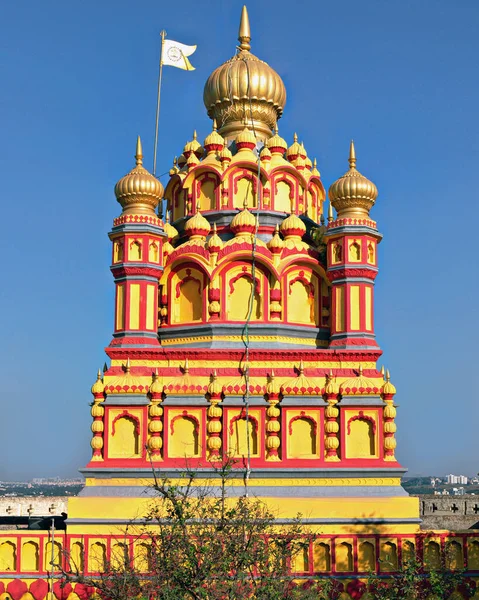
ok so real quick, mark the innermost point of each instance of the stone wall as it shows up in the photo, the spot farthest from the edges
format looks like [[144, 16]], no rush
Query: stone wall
[[32, 506], [454, 513]]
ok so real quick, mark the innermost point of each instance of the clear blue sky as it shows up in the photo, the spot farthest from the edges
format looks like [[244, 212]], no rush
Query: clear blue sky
[[78, 85]]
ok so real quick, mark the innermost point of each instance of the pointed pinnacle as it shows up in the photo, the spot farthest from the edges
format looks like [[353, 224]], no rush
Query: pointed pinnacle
[[388, 376], [295, 137], [330, 213], [301, 367], [214, 375], [187, 366], [139, 152], [215, 126], [195, 134], [382, 371], [244, 34], [272, 375], [352, 155], [98, 375], [128, 365], [360, 370]]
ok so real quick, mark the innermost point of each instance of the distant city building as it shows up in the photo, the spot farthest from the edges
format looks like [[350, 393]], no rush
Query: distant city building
[[453, 479]]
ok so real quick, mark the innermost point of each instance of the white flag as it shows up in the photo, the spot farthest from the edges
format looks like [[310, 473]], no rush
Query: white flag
[[175, 54]]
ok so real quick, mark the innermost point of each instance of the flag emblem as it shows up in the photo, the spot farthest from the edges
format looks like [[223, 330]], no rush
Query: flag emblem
[[176, 55]]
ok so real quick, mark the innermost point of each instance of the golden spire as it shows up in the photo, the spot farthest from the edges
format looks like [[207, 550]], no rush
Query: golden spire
[[244, 34], [98, 387], [301, 367], [128, 365], [186, 368], [139, 152], [330, 213], [352, 155]]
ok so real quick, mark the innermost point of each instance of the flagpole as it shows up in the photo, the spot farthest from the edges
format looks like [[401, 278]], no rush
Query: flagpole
[[160, 76]]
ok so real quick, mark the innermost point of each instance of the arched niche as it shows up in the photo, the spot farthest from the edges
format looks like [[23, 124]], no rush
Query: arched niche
[[354, 251], [322, 557], [473, 555], [186, 293], [366, 557], [97, 557], [184, 440], [408, 552], [142, 553], [243, 436], [206, 192], [283, 196], [154, 251], [361, 437], [8, 556], [124, 441], [119, 557], [77, 557], [52, 555], [302, 301], [244, 186], [388, 557], [454, 555], [432, 555], [135, 250], [241, 290], [30, 556], [302, 437], [344, 557], [300, 559]]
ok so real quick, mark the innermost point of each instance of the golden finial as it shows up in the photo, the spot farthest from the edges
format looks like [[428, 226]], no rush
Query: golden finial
[[167, 216], [388, 376], [245, 203], [315, 163], [330, 213], [98, 375], [352, 155], [98, 387], [194, 134], [295, 137], [272, 374], [244, 34], [128, 365], [186, 368], [360, 370], [301, 367], [215, 126], [198, 206], [276, 129], [139, 152], [382, 371]]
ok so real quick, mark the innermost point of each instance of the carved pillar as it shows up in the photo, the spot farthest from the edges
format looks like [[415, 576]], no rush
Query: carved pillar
[[331, 426], [389, 413], [155, 413], [214, 413], [273, 440], [97, 412]]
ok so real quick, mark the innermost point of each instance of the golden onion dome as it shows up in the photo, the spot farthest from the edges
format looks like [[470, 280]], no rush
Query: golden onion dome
[[139, 192], [193, 147], [388, 388], [197, 225], [293, 226], [265, 154], [273, 388], [215, 243], [171, 232], [332, 387], [156, 385], [314, 170], [225, 155], [214, 387], [181, 160], [302, 151], [275, 244], [309, 164], [98, 387], [243, 222], [353, 195], [294, 150], [300, 163], [213, 142], [245, 87], [245, 139], [276, 144]]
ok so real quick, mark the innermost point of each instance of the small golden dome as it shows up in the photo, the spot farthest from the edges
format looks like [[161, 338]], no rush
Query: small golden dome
[[388, 388], [243, 222], [302, 151], [293, 226], [213, 142], [197, 225], [273, 388], [245, 87], [181, 160], [245, 139], [294, 150], [265, 154], [215, 243], [193, 147], [353, 195], [359, 385], [309, 164], [156, 386], [332, 388], [139, 192], [276, 144], [225, 155], [98, 387], [300, 163], [215, 388], [171, 232], [275, 244], [314, 170]]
